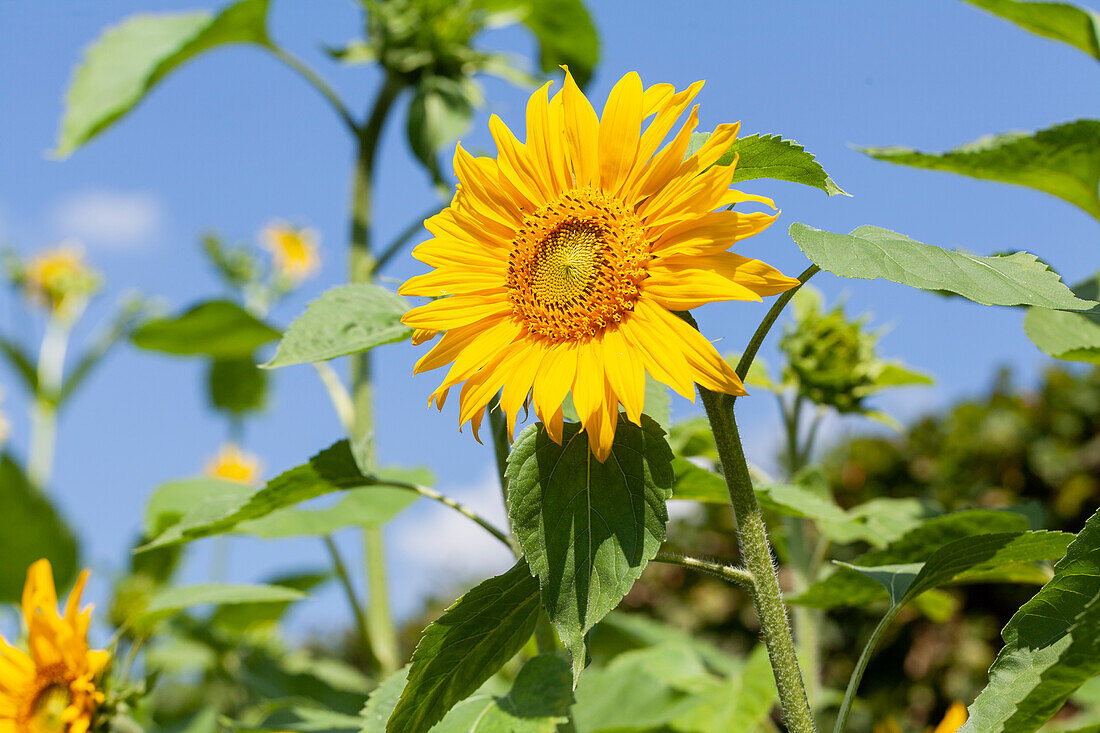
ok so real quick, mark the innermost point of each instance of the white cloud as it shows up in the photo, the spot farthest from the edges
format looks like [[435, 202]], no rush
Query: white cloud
[[110, 219]]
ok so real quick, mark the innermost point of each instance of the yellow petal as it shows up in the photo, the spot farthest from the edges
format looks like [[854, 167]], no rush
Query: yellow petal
[[620, 128], [582, 129], [458, 310], [625, 373]]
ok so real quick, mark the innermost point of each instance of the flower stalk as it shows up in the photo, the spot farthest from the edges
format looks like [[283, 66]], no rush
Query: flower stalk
[[51, 366]]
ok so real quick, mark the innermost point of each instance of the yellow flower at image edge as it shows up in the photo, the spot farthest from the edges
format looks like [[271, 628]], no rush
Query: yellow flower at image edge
[[233, 464], [953, 719], [52, 689], [565, 256], [293, 250]]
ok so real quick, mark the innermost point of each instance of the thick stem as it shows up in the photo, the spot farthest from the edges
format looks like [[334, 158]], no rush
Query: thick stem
[[756, 552], [383, 638], [51, 369]]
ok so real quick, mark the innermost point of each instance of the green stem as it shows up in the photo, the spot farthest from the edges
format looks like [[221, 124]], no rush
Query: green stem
[[398, 243], [51, 367], [458, 507], [861, 667], [383, 637], [729, 573], [317, 83], [498, 424], [349, 590], [769, 320], [752, 537]]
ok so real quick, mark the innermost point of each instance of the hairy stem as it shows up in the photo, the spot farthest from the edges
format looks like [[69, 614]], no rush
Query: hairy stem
[[756, 552], [729, 573]]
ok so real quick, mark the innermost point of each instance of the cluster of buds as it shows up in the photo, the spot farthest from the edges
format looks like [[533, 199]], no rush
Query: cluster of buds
[[830, 359]]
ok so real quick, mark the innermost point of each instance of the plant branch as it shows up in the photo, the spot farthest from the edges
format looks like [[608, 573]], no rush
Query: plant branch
[[735, 575], [317, 83], [398, 243], [337, 394], [769, 320], [458, 507], [861, 667], [349, 590]]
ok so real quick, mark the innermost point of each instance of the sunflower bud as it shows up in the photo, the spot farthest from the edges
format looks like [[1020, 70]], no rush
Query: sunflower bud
[[57, 279]]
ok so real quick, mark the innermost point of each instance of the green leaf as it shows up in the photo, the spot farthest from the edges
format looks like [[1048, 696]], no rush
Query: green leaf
[[466, 646], [847, 587], [382, 701], [198, 499], [1070, 24], [217, 328], [877, 522], [345, 320], [563, 29], [1063, 161], [178, 598], [243, 617], [370, 507], [538, 702], [333, 469], [980, 557], [439, 113], [236, 385], [128, 60], [871, 252], [894, 374], [1052, 645], [793, 500], [770, 156], [1069, 336], [658, 402], [21, 362], [695, 483], [30, 529], [588, 528]]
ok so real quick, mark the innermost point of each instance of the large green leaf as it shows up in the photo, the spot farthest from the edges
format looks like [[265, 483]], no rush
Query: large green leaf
[[198, 499], [30, 529], [236, 385], [333, 469], [440, 112], [695, 483], [871, 252], [1052, 645], [466, 646], [588, 528], [1070, 24], [370, 507], [217, 328], [847, 587], [178, 598], [1063, 161], [129, 59], [1069, 336], [563, 29], [877, 522], [243, 617], [538, 702], [770, 156], [345, 320]]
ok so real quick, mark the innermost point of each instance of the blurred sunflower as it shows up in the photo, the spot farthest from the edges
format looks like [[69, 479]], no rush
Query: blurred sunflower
[[293, 250], [59, 279], [233, 464], [565, 257], [52, 689]]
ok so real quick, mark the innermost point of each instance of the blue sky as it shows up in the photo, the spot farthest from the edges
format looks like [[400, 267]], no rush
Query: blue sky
[[235, 140]]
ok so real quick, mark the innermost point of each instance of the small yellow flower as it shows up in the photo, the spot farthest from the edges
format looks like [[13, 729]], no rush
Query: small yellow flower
[[233, 464], [59, 279], [565, 258], [295, 251], [952, 719], [53, 688]]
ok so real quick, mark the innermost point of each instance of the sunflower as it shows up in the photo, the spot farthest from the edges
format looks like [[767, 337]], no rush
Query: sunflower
[[59, 279], [233, 464], [565, 257], [294, 251], [53, 689]]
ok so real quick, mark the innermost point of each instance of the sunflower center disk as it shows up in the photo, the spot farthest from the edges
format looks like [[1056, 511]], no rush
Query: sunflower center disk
[[47, 709], [576, 266]]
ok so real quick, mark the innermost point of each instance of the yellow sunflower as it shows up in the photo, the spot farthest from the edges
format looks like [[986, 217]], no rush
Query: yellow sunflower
[[233, 464], [52, 689], [565, 256], [294, 251], [59, 279]]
